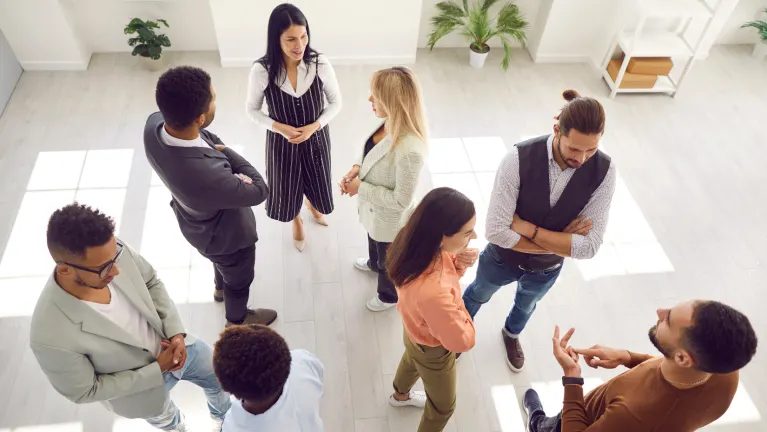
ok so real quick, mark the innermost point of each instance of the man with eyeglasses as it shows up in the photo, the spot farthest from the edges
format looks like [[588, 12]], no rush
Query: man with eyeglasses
[[105, 330]]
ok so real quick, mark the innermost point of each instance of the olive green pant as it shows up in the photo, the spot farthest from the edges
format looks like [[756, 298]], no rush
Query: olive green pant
[[436, 367]]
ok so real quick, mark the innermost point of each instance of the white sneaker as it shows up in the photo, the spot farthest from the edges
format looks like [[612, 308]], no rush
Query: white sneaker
[[417, 399], [376, 305], [362, 264]]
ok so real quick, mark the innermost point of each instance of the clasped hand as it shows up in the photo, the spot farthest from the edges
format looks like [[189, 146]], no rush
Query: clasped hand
[[350, 183], [296, 135], [172, 355]]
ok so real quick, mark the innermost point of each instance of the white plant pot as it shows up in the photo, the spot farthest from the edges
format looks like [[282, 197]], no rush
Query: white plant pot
[[153, 65], [760, 49], [477, 60]]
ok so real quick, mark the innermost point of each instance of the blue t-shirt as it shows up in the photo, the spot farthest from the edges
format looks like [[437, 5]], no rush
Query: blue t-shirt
[[298, 409]]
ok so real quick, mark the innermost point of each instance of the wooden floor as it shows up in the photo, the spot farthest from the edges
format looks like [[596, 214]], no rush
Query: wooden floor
[[688, 221]]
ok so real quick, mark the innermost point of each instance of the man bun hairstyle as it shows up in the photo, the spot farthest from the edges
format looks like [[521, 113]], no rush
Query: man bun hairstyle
[[584, 114]]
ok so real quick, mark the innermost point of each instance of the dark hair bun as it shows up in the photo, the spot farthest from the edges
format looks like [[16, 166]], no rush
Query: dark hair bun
[[570, 94]]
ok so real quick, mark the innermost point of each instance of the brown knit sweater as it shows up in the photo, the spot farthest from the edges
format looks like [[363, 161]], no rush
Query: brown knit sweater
[[641, 400]]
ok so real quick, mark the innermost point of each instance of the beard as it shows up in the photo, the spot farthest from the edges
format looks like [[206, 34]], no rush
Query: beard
[[652, 334], [82, 283]]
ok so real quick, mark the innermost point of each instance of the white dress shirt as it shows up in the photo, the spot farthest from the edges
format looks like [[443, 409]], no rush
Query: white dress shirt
[[503, 204], [259, 78], [297, 409], [178, 142]]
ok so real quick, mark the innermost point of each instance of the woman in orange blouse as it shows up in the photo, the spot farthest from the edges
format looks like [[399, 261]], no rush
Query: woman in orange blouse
[[425, 262]]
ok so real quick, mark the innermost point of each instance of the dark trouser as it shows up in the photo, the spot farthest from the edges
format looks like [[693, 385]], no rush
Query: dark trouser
[[540, 423], [377, 261], [234, 273]]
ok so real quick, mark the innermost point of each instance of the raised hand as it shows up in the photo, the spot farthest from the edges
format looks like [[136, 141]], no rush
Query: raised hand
[[566, 355]]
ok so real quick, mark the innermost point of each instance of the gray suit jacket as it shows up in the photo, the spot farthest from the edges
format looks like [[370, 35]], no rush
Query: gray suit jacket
[[212, 206], [88, 358], [389, 179]]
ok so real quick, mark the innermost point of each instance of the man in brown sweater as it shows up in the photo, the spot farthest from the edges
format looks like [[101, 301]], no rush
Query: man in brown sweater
[[704, 344]]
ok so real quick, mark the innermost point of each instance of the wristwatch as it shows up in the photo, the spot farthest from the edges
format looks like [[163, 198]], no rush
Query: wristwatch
[[572, 380]]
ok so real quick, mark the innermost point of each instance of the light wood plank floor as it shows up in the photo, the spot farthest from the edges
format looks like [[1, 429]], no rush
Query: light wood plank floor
[[687, 222]]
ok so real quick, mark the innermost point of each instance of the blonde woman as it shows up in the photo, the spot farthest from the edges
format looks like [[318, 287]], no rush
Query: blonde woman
[[387, 173]]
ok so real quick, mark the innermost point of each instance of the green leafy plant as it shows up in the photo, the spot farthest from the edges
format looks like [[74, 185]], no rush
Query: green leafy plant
[[475, 23], [759, 25], [147, 43]]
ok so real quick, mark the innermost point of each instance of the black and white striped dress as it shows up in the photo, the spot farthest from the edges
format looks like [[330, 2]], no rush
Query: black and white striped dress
[[295, 170]]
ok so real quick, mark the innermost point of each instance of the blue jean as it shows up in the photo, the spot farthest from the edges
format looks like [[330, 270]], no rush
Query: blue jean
[[493, 273], [198, 369]]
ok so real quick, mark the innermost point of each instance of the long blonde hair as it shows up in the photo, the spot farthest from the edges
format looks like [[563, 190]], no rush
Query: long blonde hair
[[397, 91]]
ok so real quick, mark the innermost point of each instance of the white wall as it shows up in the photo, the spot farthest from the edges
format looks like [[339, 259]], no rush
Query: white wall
[[364, 31], [10, 71], [42, 35], [528, 8], [100, 23], [746, 10], [577, 31]]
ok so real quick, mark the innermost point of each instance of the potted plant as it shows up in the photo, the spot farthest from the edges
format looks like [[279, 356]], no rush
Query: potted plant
[[760, 48], [147, 43], [475, 23]]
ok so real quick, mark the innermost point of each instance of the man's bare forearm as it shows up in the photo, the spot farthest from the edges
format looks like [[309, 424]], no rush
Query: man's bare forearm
[[526, 246], [555, 242]]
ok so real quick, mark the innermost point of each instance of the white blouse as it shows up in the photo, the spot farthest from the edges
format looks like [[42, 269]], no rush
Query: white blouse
[[259, 78]]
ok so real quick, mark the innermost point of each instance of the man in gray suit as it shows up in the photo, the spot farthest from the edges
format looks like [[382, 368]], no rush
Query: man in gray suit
[[104, 328], [213, 187]]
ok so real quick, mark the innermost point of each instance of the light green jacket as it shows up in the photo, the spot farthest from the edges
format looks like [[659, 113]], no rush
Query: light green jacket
[[88, 358]]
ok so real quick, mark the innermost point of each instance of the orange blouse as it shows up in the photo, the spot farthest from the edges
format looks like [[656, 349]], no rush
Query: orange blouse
[[432, 309]]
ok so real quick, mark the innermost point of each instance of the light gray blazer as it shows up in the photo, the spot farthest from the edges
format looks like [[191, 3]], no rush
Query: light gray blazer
[[389, 179], [88, 358]]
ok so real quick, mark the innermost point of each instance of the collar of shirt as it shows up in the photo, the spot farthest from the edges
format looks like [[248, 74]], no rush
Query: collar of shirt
[[178, 142], [550, 147], [304, 80]]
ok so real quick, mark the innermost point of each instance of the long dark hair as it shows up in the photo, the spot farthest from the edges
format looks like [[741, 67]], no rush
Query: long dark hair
[[283, 16], [442, 212]]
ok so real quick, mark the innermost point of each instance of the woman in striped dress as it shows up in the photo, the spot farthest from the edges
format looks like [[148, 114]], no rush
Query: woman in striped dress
[[294, 80]]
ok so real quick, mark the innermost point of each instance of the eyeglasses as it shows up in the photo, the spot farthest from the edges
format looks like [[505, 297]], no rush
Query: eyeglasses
[[104, 270]]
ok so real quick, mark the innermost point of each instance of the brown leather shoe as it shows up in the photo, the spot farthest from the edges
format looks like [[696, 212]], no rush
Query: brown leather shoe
[[515, 357], [218, 295], [258, 316]]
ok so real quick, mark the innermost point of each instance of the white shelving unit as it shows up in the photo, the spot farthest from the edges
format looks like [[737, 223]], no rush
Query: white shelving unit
[[669, 43]]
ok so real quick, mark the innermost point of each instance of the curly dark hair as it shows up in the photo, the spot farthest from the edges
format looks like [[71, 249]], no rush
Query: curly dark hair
[[251, 362], [721, 339], [74, 228], [183, 94]]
